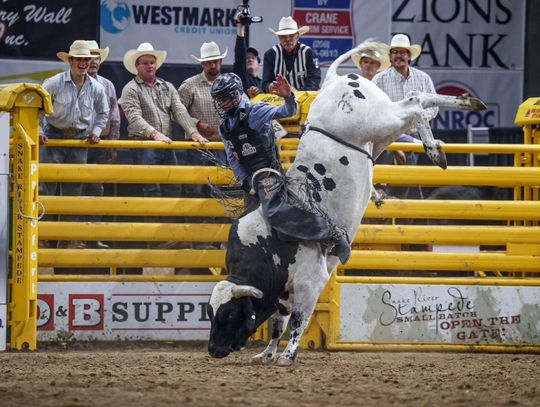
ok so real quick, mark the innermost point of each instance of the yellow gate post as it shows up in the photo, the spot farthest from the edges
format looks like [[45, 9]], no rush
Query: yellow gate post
[[528, 116], [25, 102]]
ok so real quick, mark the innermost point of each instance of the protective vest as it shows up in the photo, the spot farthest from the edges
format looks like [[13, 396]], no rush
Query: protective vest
[[253, 150]]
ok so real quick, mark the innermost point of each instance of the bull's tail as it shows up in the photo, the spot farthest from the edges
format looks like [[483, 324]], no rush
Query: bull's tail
[[369, 45]]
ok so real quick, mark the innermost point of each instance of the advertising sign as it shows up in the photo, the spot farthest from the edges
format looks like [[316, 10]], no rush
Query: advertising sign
[[41, 28], [116, 311], [375, 313]]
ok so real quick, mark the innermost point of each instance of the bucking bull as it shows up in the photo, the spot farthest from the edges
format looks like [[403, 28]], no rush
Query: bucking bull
[[351, 121]]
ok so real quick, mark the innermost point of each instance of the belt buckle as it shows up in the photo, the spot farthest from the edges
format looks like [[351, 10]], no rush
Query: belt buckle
[[70, 132]]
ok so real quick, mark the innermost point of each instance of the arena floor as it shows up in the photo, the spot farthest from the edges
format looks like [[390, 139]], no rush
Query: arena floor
[[158, 375]]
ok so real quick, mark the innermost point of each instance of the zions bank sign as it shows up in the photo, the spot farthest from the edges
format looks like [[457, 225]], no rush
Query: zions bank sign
[[469, 46], [464, 33]]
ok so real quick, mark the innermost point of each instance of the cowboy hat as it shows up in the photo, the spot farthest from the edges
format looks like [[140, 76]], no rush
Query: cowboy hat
[[145, 48], [402, 41], [375, 54], [94, 48], [210, 52], [79, 49], [288, 26]]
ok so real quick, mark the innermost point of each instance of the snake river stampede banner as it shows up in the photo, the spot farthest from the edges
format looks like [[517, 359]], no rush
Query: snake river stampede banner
[[474, 46], [373, 313]]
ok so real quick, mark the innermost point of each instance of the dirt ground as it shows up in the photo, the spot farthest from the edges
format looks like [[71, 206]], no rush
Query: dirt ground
[[160, 375]]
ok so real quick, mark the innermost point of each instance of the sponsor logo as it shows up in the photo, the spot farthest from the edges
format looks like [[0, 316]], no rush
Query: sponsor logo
[[115, 16], [85, 312], [460, 119], [242, 136], [331, 27], [45, 306], [248, 149]]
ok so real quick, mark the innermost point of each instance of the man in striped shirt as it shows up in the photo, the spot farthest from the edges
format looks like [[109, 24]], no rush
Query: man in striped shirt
[[291, 59], [81, 110]]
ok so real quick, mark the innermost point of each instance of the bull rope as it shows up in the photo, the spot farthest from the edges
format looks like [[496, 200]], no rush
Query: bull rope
[[345, 143]]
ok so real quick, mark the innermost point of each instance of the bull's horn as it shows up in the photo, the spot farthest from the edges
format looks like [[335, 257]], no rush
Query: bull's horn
[[246, 291]]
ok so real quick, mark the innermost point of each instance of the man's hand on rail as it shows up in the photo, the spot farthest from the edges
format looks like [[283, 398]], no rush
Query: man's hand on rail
[[157, 136], [198, 138], [43, 139], [93, 138]]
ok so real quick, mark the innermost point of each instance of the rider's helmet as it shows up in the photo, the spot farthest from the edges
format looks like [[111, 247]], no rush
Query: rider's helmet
[[226, 92]]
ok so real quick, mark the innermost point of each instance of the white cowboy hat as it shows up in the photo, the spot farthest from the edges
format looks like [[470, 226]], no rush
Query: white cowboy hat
[[79, 49], [209, 52], [402, 41], [130, 57], [94, 47], [376, 54], [288, 26]]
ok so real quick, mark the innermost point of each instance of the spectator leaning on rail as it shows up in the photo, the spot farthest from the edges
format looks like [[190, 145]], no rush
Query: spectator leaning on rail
[[290, 58], [253, 156], [110, 132], [150, 104], [195, 95], [246, 61], [80, 112], [397, 81]]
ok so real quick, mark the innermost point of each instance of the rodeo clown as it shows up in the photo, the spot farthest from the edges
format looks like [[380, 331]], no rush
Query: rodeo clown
[[252, 154]]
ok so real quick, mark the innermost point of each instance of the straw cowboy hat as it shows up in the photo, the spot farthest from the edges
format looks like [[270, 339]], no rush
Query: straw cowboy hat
[[130, 57], [210, 52], [402, 41], [288, 26], [94, 48], [378, 55], [79, 49]]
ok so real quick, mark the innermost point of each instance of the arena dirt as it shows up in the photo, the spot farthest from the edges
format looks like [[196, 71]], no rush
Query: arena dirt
[[159, 375]]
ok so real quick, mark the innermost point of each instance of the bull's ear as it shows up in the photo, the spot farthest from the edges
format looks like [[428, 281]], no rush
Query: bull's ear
[[239, 291]]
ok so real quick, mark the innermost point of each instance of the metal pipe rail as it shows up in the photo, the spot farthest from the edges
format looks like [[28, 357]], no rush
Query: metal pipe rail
[[294, 142], [200, 232], [201, 207], [360, 259], [384, 174]]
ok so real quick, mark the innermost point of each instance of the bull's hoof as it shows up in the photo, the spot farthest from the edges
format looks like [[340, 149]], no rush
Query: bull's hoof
[[441, 158], [284, 361], [477, 105], [263, 359]]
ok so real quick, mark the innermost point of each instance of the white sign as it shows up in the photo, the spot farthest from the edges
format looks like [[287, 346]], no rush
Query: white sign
[[181, 29], [117, 311], [460, 314]]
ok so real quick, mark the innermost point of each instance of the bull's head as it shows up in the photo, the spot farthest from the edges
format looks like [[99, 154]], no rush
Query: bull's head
[[232, 317]]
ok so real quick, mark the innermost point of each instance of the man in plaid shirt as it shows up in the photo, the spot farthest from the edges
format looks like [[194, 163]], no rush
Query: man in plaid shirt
[[400, 79], [150, 104], [397, 81]]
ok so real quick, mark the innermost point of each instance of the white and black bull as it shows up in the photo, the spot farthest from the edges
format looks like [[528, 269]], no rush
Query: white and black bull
[[351, 122]]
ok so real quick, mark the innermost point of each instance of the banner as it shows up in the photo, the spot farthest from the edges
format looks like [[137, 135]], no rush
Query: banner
[[474, 47], [458, 314], [182, 29], [117, 311], [41, 28]]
